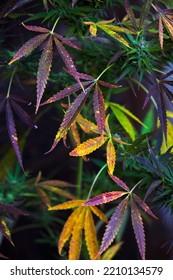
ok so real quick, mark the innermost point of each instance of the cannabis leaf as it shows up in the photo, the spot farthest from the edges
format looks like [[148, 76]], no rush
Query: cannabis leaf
[[48, 37], [110, 29], [80, 219], [166, 18], [10, 104], [55, 186], [93, 144], [116, 220], [5, 210], [162, 95], [77, 105]]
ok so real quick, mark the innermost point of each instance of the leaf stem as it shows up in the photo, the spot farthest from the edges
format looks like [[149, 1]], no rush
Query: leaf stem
[[138, 183], [79, 175], [53, 28], [95, 179], [103, 72], [10, 83]]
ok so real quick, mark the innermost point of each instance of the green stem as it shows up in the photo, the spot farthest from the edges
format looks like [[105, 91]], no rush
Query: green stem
[[10, 83], [53, 28], [79, 175], [103, 72], [95, 179]]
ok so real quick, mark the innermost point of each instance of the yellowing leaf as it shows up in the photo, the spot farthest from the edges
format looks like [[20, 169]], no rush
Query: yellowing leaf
[[124, 121], [89, 146], [112, 251], [67, 205], [90, 235], [111, 156], [99, 213], [114, 34], [86, 125], [93, 30], [67, 229], [76, 240], [165, 146], [80, 219]]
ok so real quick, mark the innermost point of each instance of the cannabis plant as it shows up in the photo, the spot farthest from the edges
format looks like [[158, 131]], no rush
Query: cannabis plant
[[92, 81]]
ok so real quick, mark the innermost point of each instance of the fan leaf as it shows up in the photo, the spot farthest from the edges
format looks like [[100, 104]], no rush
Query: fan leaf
[[12, 133], [88, 146], [111, 156], [67, 205], [99, 213], [29, 46], [138, 228], [119, 182], [104, 198], [76, 239], [99, 108], [113, 225], [90, 234], [67, 229], [43, 70]]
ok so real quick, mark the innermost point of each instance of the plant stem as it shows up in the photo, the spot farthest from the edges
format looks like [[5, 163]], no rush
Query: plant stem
[[10, 83], [79, 175], [103, 72], [54, 25], [95, 179]]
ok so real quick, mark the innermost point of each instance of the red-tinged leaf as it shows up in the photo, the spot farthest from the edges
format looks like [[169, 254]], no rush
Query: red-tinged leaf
[[43, 70], [138, 228], [36, 28], [82, 76], [130, 13], [67, 205], [88, 146], [29, 46], [99, 108], [76, 239], [86, 125], [5, 230], [71, 115], [152, 187], [114, 225], [64, 93], [11, 209], [44, 197], [90, 234], [66, 41], [67, 59], [67, 229], [111, 156], [104, 198], [12, 133], [144, 206], [99, 213], [116, 56], [56, 183], [13, 5], [22, 114], [108, 85], [119, 182], [160, 32]]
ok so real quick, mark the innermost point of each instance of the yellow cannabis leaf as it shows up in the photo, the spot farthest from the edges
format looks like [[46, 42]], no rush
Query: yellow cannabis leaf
[[80, 220]]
